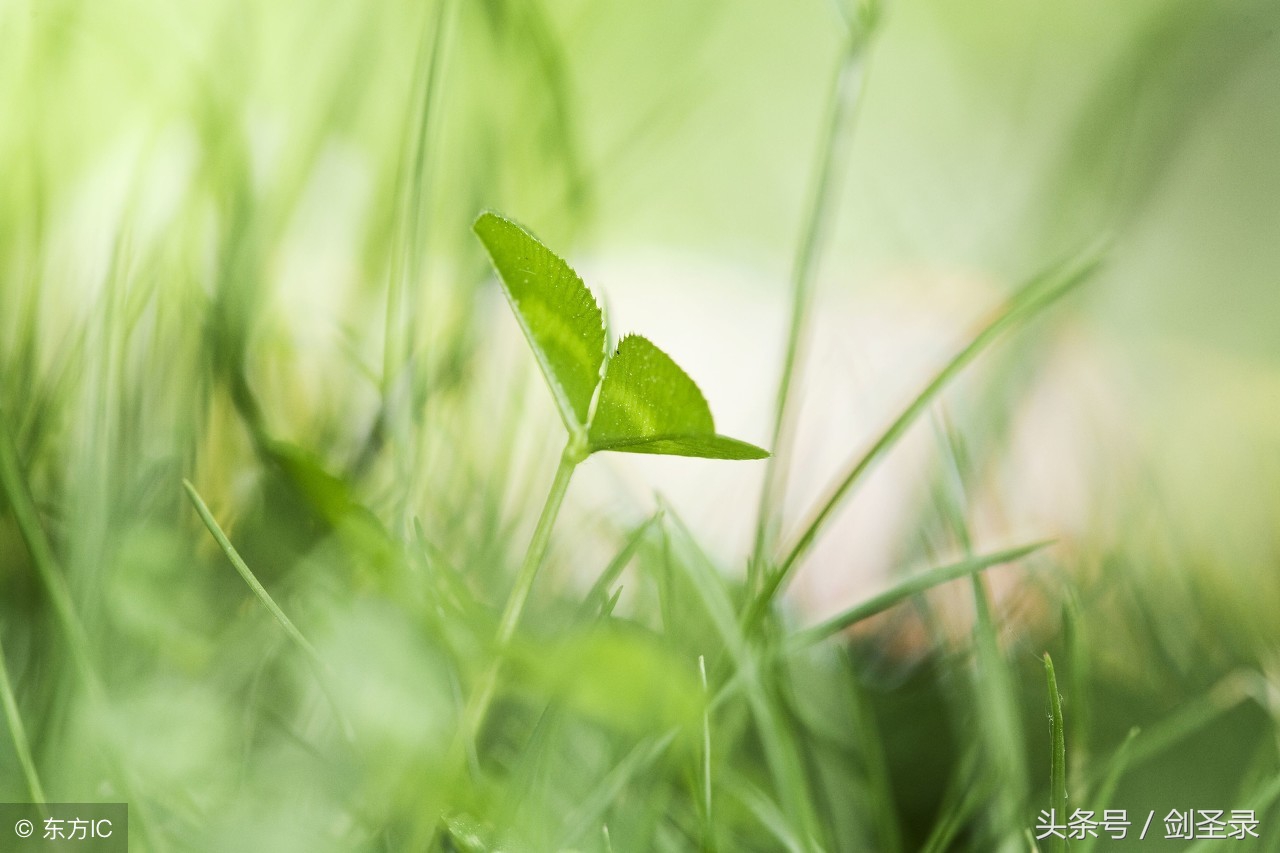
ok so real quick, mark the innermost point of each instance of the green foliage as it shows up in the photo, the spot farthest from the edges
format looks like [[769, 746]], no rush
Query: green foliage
[[647, 404], [556, 312], [1058, 754], [236, 250]]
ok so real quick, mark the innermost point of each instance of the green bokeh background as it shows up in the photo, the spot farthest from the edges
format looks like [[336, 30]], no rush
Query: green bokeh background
[[235, 247]]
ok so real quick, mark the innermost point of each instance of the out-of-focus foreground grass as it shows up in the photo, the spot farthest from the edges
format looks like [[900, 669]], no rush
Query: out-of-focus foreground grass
[[235, 248]]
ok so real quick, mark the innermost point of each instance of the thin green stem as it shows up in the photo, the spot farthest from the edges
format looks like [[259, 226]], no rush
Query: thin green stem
[[19, 735], [482, 696], [243, 569], [1102, 798], [706, 754], [400, 359], [537, 547], [999, 723], [322, 671], [841, 112], [407, 261], [14, 486], [1058, 756], [1038, 294]]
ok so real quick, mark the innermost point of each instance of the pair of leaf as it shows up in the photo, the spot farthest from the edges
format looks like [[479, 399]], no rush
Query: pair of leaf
[[644, 402]]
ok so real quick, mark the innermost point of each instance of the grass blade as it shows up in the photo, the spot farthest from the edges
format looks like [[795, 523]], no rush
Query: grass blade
[[842, 111], [592, 812], [14, 486], [906, 588], [1057, 757], [709, 828], [1038, 294], [229, 550], [780, 754], [1257, 804], [16, 731], [1115, 769], [768, 814], [598, 595], [313, 657], [998, 720], [16, 491]]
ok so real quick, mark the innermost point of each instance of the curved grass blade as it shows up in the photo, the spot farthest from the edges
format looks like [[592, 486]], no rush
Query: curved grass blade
[[16, 490], [751, 676], [595, 808], [1258, 804], [649, 405], [908, 587], [1036, 295], [243, 569], [1116, 767], [557, 313], [1058, 757], [21, 746], [767, 813], [829, 165], [598, 597], [966, 793], [313, 657]]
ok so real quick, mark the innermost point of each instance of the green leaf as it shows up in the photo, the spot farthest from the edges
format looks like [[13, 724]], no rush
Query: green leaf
[[649, 405], [556, 311]]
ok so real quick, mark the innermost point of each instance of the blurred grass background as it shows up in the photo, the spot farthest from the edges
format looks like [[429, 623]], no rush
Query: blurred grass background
[[235, 247]]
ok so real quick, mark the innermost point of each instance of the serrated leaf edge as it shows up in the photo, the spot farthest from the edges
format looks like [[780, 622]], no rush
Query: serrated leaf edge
[[567, 413]]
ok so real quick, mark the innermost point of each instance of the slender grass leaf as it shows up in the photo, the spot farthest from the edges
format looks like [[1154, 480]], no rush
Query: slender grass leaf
[[243, 569], [649, 405], [998, 720], [1166, 733], [321, 668], [21, 747], [966, 793], [1102, 799], [597, 598], [15, 489], [1058, 757], [780, 752], [606, 609], [1258, 804], [1043, 290], [767, 813], [594, 809], [908, 587], [559, 316]]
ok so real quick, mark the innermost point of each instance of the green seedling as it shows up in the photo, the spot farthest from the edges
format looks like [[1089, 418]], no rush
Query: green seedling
[[635, 400]]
